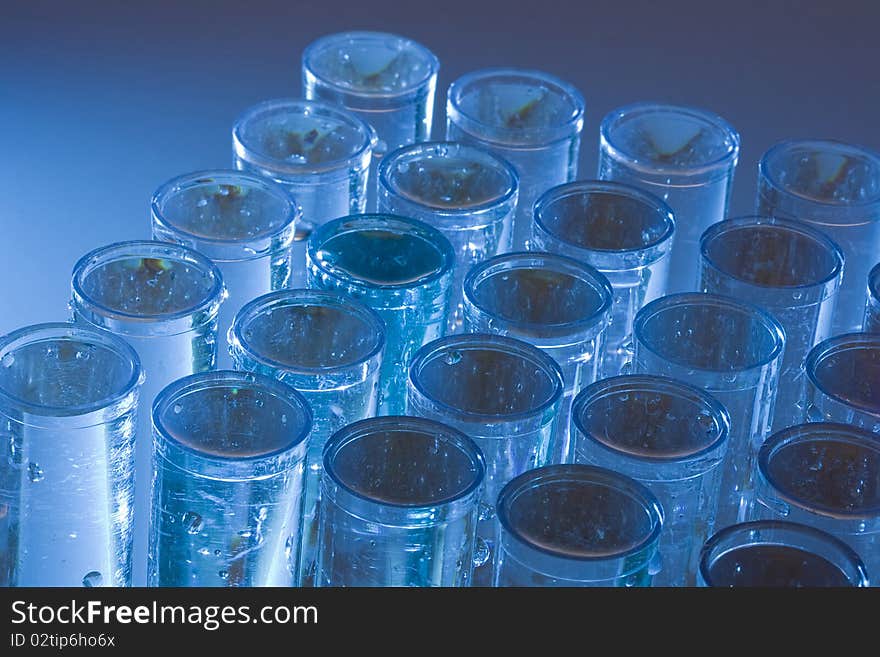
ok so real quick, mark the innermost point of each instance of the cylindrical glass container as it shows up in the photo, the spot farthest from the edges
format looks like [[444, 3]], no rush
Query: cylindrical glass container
[[329, 347], [400, 504], [835, 188], [780, 554], [788, 269], [465, 192], [320, 152], [560, 305], [824, 475], [623, 232], [243, 223], [732, 350], [163, 299], [229, 449], [503, 393], [401, 268], [686, 156], [844, 381], [672, 438], [530, 118], [577, 525], [68, 412]]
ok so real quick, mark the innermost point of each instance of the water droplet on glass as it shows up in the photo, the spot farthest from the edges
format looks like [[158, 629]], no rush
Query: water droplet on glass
[[452, 358], [177, 408], [224, 574], [35, 472], [193, 522], [205, 552], [93, 579], [217, 553]]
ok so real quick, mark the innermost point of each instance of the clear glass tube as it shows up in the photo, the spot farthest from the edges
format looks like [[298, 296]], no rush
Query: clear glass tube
[[465, 192], [788, 269], [400, 504], [320, 152], [229, 449], [872, 309], [503, 393], [623, 232], [835, 188], [731, 349], [824, 475], [329, 347], [68, 408], [686, 156], [780, 554], [844, 381], [669, 436], [387, 80], [243, 223], [401, 268], [163, 299], [577, 525], [530, 118], [560, 305]]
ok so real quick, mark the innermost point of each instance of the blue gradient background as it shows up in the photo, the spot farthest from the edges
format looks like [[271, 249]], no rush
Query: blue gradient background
[[101, 103]]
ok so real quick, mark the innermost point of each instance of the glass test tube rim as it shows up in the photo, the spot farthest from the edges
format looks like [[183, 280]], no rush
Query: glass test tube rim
[[835, 345], [36, 333], [387, 222], [360, 428], [221, 379], [770, 323], [598, 319], [358, 160], [626, 383], [765, 170], [586, 473], [386, 181], [821, 432], [127, 322], [500, 137], [791, 528], [705, 173], [307, 297], [320, 44], [487, 342], [207, 244], [611, 188], [745, 222]]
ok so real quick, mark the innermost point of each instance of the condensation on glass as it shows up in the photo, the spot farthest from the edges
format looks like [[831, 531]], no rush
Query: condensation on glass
[[401, 268], [731, 349], [622, 231], [163, 299], [400, 505], [789, 270], [68, 416], [558, 304], [329, 347], [229, 453], [669, 436], [502, 392]]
